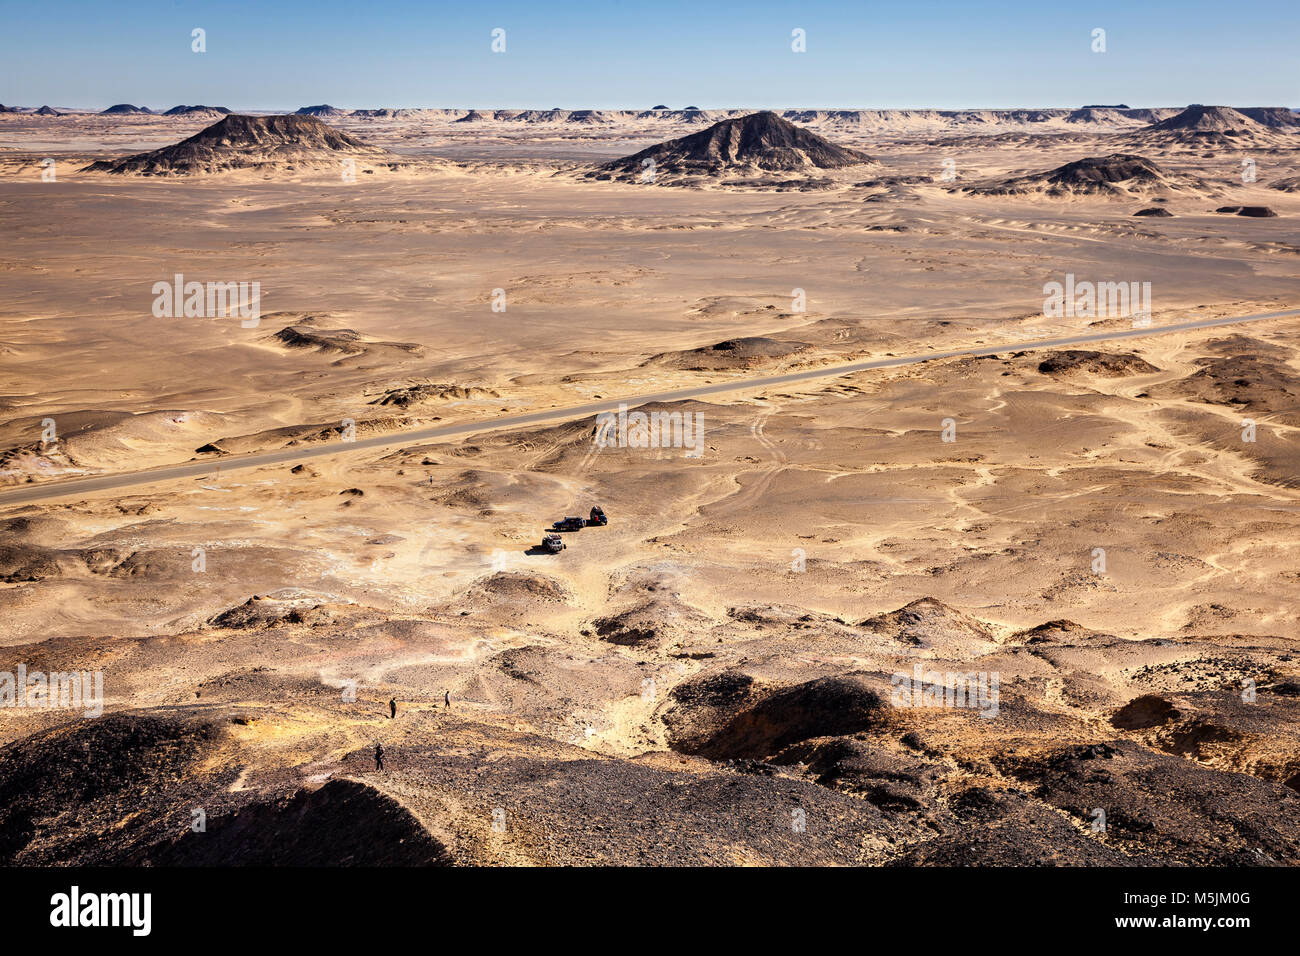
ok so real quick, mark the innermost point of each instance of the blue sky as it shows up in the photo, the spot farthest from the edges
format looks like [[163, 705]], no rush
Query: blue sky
[[282, 54]]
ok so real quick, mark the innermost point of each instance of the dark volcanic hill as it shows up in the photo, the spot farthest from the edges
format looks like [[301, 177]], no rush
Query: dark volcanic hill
[[215, 112], [324, 110], [124, 109], [1275, 117], [1204, 126], [1208, 119], [47, 111], [243, 142], [759, 142], [1120, 175]]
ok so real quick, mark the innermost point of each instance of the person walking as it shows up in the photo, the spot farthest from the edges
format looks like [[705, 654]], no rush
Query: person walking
[[392, 708], [446, 699], [379, 756]]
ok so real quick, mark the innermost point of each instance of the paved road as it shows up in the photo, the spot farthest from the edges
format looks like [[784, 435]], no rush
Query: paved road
[[47, 491]]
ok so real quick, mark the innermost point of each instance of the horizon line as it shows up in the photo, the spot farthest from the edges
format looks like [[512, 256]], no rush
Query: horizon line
[[649, 109]]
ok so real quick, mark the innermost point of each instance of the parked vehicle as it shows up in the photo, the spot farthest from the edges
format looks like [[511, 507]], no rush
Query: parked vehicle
[[553, 543], [598, 516], [570, 524]]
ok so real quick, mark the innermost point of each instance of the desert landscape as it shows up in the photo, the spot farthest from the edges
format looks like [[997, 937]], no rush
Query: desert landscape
[[926, 558]]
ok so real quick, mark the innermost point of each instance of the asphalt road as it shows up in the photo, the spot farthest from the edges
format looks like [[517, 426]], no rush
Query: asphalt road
[[48, 491]]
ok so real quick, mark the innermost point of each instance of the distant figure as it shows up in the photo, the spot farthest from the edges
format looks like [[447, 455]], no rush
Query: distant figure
[[446, 699], [379, 756], [392, 708]]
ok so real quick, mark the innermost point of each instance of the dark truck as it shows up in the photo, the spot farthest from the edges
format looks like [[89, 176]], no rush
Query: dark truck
[[598, 516], [570, 524]]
